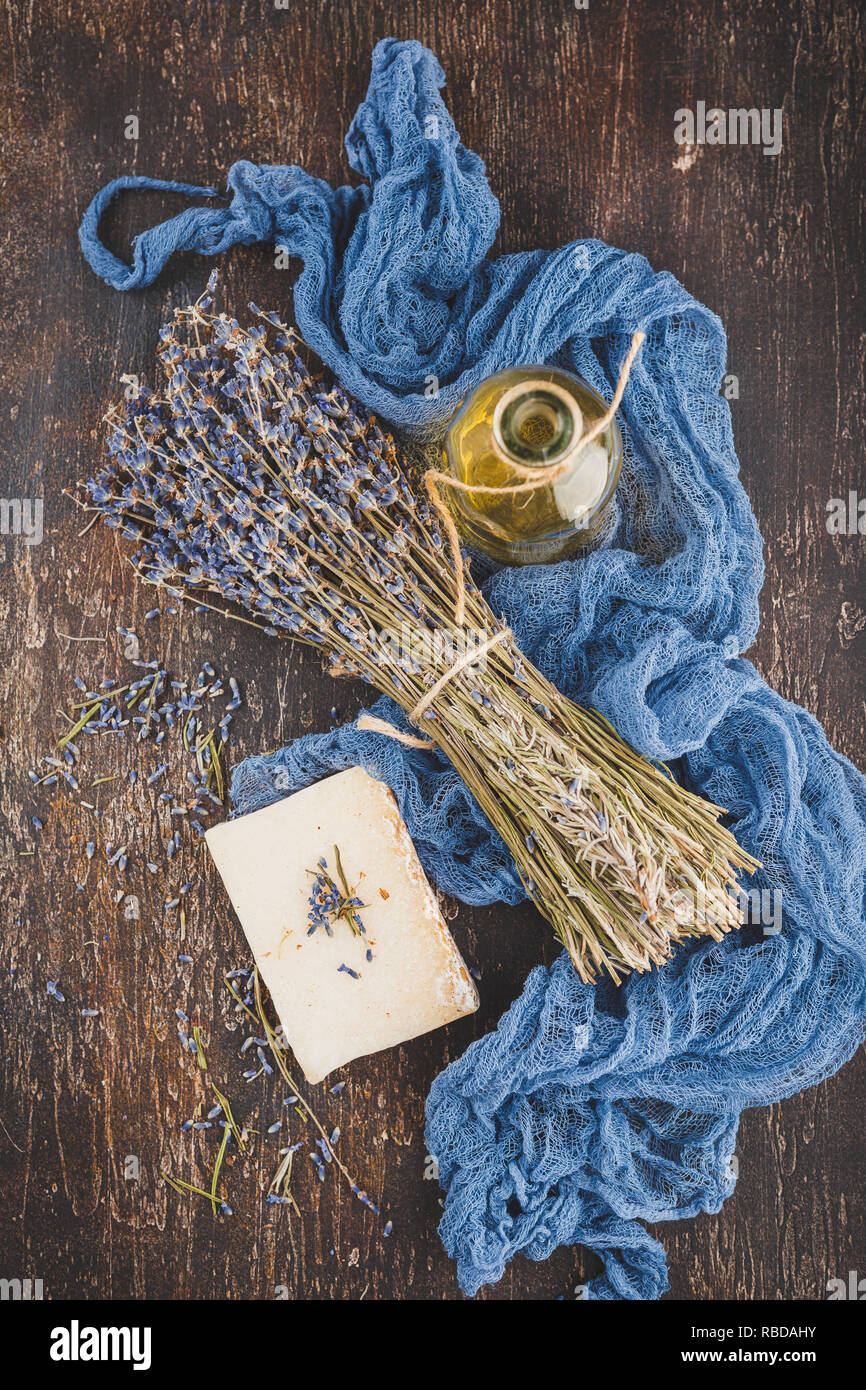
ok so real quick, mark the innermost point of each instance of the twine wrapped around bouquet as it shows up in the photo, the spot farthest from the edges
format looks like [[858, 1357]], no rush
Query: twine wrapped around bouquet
[[244, 477]]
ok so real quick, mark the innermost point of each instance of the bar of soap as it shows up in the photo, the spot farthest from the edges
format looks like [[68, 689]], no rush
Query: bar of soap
[[417, 979]]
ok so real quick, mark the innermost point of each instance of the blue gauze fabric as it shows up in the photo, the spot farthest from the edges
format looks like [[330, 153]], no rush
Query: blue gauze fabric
[[588, 1110]]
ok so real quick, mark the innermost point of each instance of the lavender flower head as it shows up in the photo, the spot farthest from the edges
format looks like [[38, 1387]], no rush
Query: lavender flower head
[[247, 478]]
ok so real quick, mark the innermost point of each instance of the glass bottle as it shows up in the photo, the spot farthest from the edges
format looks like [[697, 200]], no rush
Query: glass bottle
[[522, 419]]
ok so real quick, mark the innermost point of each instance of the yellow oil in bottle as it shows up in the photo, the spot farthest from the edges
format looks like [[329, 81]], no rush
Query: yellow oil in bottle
[[515, 422]]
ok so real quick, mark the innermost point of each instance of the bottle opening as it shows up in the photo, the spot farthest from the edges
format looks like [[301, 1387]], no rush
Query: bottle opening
[[536, 423]]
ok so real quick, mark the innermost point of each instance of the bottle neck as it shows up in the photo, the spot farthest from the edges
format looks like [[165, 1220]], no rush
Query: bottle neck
[[536, 423]]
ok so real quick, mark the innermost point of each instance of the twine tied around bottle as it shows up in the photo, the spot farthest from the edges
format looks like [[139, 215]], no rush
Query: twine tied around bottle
[[536, 477]]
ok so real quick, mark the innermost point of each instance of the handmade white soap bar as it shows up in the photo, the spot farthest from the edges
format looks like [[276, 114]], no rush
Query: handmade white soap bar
[[416, 979]]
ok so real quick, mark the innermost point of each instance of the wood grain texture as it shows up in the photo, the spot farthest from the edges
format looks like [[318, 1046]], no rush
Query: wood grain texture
[[573, 112]]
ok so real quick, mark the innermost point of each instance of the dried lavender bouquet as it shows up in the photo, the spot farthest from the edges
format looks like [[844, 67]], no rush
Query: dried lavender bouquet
[[245, 477]]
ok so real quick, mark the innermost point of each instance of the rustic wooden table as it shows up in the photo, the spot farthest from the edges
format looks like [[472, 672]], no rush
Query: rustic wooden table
[[573, 111]]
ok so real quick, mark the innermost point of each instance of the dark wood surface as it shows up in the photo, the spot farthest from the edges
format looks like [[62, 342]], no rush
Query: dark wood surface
[[574, 114]]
